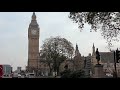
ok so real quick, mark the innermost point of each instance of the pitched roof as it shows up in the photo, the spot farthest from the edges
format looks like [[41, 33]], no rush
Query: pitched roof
[[107, 56]]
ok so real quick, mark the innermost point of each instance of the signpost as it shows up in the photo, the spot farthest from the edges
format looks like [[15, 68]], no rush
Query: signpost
[[115, 72]]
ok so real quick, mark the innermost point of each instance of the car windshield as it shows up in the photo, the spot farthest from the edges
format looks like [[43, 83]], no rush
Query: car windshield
[[31, 74]]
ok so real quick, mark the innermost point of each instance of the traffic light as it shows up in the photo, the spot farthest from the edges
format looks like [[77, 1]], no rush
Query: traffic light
[[117, 56]]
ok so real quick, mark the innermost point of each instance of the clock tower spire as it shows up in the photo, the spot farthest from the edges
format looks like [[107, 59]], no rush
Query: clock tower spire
[[33, 20], [33, 16], [33, 44]]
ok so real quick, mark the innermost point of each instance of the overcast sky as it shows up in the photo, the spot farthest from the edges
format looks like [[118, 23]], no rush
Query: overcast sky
[[14, 35]]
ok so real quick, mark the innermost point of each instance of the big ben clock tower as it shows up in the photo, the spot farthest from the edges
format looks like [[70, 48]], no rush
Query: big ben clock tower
[[33, 44]]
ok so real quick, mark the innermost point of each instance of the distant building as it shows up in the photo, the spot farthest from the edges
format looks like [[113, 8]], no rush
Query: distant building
[[104, 57], [43, 68], [69, 63], [109, 68], [19, 69], [107, 56], [107, 60], [88, 67], [93, 58], [77, 63], [6, 69]]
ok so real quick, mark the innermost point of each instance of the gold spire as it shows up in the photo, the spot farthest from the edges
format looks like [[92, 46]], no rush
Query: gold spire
[[33, 16], [76, 46], [93, 48], [93, 45], [33, 20]]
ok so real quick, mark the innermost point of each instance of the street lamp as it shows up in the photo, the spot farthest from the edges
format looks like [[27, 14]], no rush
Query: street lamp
[[116, 58], [115, 72]]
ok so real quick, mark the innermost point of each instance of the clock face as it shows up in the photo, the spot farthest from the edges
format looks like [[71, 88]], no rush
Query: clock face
[[34, 32]]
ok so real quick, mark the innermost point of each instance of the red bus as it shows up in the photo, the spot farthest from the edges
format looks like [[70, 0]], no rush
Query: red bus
[[1, 71]]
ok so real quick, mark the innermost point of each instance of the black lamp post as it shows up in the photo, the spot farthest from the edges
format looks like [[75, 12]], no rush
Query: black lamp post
[[115, 72]]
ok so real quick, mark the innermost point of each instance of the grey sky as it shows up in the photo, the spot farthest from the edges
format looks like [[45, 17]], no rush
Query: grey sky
[[14, 35]]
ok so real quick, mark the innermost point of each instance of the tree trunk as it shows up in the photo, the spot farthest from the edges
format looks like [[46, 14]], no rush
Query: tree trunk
[[50, 72], [58, 73]]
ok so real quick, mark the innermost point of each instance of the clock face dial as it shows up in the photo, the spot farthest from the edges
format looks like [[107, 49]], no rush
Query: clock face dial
[[34, 32]]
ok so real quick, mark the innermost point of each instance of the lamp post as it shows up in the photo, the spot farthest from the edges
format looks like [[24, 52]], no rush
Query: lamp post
[[115, 73]]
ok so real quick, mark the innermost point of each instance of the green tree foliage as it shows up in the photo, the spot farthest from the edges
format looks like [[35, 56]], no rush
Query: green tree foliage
[[55, 50], [73, 74], [78, 74], [107, 22], [66, 74]]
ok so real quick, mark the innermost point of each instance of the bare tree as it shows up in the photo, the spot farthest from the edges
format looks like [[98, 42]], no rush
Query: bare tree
[[55, 50]]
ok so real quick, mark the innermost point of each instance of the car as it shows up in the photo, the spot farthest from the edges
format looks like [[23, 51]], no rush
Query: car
[[15, 75], [6, 76], [19, 76], [23, 75], [30, 75]]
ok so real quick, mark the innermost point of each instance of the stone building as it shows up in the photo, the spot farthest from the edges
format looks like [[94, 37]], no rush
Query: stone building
[[93, 58], [37, 63], [33, 44], [88, 67], [43, 68], [104, 57], [107, 60], [78, 61], [70, 64], [109, 68]]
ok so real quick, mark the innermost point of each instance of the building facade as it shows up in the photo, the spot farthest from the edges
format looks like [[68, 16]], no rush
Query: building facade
[[78, 61], [87, 66], [33, 44], [35, 62], [107, 60]]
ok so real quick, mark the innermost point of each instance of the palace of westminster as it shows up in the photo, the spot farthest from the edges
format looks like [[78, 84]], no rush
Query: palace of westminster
[[77, 63]]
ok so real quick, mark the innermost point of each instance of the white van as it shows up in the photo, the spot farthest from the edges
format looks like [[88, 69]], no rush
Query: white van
[[15, 75]]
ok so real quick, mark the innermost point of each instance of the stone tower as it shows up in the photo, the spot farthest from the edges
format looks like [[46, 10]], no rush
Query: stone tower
[[78, 62], [93, 50], [88, 68], [94, 60], [33, 44]]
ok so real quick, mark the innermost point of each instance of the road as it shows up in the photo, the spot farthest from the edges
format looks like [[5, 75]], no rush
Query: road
[[48, 77]]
